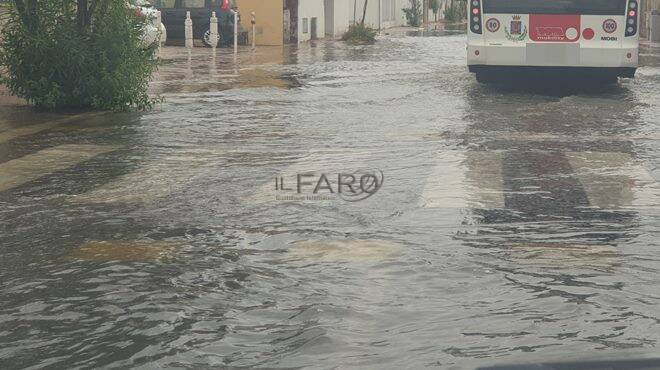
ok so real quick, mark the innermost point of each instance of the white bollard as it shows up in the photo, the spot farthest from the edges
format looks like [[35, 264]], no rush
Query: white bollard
[[235, 32], [159, 35], [159, 21], [189, 31], [213, 37], [254, 31]]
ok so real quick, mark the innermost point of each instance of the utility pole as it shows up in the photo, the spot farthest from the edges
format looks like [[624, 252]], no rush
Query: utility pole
[[235, 31], [254, 31]]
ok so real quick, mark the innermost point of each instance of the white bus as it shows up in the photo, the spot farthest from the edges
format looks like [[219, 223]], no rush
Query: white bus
[[597, 38]]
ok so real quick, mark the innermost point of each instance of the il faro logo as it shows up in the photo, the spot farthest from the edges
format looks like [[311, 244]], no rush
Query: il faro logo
[[351, 187]]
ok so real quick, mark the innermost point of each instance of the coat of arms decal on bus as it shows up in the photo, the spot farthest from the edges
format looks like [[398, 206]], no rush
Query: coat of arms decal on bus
[[517, 31]]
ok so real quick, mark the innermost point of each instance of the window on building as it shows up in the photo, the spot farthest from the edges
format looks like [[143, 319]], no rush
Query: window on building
[[305, 25]]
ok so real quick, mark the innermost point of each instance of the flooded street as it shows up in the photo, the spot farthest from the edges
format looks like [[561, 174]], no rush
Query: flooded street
[[508, 226]]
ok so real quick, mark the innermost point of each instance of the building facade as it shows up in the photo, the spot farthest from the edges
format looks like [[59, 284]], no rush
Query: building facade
[[281, 22], [311, 20], [269, 20]]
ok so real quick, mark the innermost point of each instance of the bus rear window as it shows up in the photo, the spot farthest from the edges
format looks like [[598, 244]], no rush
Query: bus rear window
[[592, 7]]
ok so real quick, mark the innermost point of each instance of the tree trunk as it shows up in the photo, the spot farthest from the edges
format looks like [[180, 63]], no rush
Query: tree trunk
[[364, 12]]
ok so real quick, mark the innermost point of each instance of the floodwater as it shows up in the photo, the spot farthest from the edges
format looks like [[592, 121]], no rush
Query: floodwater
[[507, 227]]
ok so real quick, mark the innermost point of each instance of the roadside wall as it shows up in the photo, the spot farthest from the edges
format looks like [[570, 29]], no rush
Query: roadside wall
[[644, 16], [269, 17], [373, 17], [380, 13]]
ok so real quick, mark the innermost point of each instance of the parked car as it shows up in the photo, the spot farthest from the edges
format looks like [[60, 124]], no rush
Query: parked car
[[173, 14], [155, 32]]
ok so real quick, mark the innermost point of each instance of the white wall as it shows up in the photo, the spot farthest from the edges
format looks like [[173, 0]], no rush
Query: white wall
[[340, 16], [380, 13], [310, 9], [372, 19], [398, 17]]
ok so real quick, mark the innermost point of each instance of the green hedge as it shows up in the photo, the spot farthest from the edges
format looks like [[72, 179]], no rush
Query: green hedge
[[57, 57]]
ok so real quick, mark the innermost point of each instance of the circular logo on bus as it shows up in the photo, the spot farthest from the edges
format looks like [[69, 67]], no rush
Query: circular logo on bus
[[609, 25], [493, 25], [571, 34]]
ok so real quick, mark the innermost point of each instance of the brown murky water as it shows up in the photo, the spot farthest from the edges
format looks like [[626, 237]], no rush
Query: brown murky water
[[510, 226]]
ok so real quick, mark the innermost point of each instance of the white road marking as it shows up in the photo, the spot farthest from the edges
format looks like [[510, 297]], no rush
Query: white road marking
[[12, 134], [45, 162], [614, 180], [155, 179], [469, 179]]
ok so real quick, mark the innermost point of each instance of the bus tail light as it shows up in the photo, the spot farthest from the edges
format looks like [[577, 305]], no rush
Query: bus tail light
[[631, 18], [475, 18], [588, 33]]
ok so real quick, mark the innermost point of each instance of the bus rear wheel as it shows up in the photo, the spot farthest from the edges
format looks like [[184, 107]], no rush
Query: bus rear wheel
[[484, 77]]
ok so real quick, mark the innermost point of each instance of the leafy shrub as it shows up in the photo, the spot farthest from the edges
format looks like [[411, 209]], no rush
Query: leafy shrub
[[58, 57], [359, 34], [414, 13]]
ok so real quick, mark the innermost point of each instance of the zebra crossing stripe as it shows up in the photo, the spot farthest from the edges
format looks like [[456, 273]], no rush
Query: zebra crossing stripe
[[471, 179], [12, 134], [151, 181], [613, 179], [475, 179], [45, 162]]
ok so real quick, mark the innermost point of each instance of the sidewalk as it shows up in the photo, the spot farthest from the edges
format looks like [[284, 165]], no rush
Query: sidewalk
[[203, 70], [440, 25]]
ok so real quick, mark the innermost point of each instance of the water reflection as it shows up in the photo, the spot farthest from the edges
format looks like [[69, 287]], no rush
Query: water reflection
[[208, 70], [564, 169], [575, 195]]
